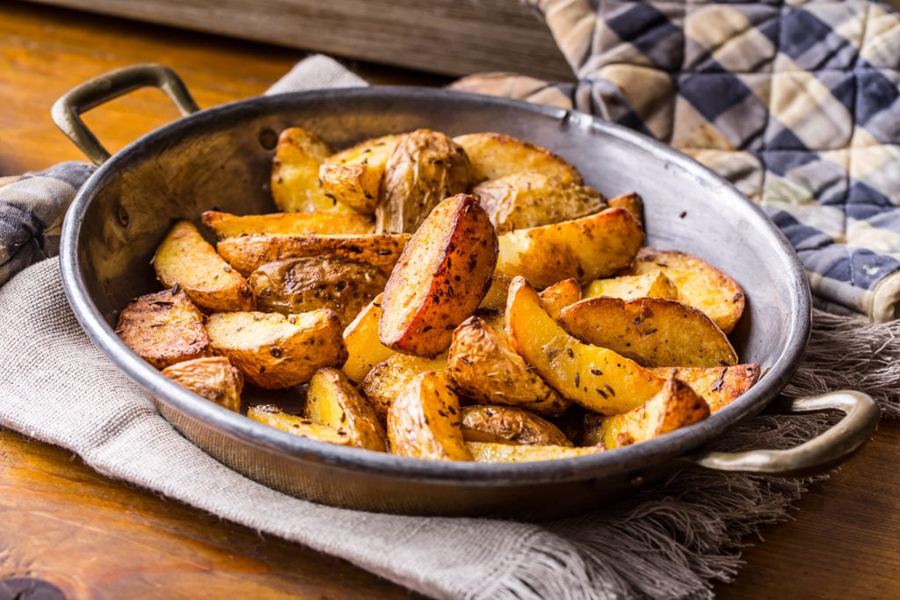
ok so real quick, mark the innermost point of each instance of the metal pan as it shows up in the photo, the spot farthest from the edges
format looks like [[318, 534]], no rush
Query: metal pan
[[220, 158]]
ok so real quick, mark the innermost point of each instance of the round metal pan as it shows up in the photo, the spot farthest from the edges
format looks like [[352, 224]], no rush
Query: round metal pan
[[220, 158]]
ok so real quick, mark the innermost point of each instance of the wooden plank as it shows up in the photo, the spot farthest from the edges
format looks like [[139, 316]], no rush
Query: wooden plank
[[454, 37]]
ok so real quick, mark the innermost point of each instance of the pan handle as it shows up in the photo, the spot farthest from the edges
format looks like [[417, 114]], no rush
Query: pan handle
[[818, 454], [66, 112]]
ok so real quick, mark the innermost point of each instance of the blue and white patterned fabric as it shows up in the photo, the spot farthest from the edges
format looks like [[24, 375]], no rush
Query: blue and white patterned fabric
[[797, 103]]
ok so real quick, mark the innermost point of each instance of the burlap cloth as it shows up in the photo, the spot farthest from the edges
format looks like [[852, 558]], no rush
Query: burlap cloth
[[670, 541]]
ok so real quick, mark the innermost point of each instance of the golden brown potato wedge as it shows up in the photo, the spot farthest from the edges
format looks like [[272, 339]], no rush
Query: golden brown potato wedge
[[273, 416], [629, 287], [584, 249], [674, 407], [652, 331], [630, 202], [185, 259], [164, 328], [424, 421], [275, 351], [597, 378], [295, 173], [303, 284], [424, 168], [560, 295], [440, 279], [364, 349], [531, 199], [509, 453], [485, 369], [699, 284], [353, 176], [249, 252], [718, 386], [226, 225], [495, 299], [508, 425], [212, 377], [386, 380], [333, 401], [496, 155]]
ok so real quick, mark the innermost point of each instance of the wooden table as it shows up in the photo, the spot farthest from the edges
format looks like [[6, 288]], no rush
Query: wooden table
[[98, 538]]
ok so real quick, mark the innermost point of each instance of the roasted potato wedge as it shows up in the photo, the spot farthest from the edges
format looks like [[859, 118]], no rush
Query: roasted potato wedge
[[385, 380], [718, 386], [495, 299], [629, 287], [674, 407], [440, 279], [164, 328], [295, 173], [496, 155], [424, 421], [630, 202], [485, 369], [333, 401], [226, 225], [212, 377], [699, 284], [652, 331], [509, 453], [560, 295], [273, 416], [353, 176], [364, 348], [185, 259], [249, 252], [275, 351], [508, 425], [531, 199], [583, 249], [303, 284], [597, 378], [424, 168]]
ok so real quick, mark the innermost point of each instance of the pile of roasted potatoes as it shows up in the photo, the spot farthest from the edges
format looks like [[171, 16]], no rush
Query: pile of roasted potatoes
[[463, 298]]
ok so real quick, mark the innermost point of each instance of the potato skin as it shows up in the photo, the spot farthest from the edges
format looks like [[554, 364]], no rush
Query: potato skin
[[249, 252], [583, 249], [424, 421], [440, 279], [632, 203], [271, 415], [424, 168], [510, 453], [485, 369], [212, 377], [164, 328], [302, 284], [353, 176], [226, 225], [495, 155], [509, 425], [364, 348], [386, 380], [295, 173], [652, 331], [629, 287], [718, 386], [699, 284], [560, 295], [531, 199], [185, 259], [275, 351], [333, 401]]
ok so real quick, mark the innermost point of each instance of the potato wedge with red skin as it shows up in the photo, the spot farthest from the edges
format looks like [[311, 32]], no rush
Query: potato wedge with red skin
[[186, 259], [652, 331], [213, 377], [495, 155], [629, 287], [271, 415], [505, 424], [560, 295], [718, 386], [597, 378], [164, 328], [333, 401], [440, 278], [424, 421], [512, 453], [699, 284], [384, 382], [583, 249], [630, 202], [674, 407], [226, 225], [364, 349]]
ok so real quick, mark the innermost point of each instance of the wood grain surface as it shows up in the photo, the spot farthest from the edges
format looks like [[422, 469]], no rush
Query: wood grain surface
[[96, 538]]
